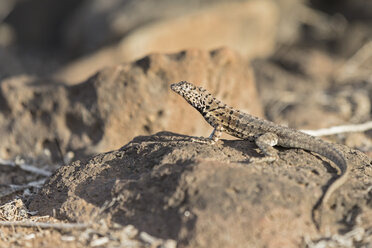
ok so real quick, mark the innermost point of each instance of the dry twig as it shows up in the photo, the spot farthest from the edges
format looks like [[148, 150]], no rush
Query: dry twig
[[340, 129], [25, 167], [60, 226]]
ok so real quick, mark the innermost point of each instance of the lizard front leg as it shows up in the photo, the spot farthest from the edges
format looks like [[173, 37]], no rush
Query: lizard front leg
[[266, 142], [213, 137], [216, 134]]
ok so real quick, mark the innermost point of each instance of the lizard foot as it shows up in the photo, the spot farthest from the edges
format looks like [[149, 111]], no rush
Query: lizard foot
[[203, 140]]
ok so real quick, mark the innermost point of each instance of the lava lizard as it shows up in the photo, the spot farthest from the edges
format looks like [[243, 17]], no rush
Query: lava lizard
[[264, 133]]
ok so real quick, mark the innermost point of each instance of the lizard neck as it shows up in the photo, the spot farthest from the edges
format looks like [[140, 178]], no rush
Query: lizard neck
[[217, 113]]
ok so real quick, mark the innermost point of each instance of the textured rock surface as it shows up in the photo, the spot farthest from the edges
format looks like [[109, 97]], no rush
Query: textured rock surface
[[203, 195], [118, 103]]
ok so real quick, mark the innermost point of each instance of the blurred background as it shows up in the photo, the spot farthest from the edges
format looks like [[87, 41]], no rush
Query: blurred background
[[74, 38]]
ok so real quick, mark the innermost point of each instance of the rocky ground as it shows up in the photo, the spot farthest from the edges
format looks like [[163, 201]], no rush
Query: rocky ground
[[96, 151]]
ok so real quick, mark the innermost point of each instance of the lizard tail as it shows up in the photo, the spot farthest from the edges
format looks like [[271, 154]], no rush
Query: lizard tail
[[325, 149]]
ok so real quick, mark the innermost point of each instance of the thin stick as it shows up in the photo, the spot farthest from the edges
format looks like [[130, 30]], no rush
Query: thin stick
[[60, 226], [26, 167], [340, 129], [16, 188], [36, 184]]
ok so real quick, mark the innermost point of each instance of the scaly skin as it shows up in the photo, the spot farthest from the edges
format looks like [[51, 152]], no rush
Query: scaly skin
[[265, 134]]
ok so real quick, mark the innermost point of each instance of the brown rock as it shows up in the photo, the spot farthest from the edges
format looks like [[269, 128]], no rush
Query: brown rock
[[9, 64], [230, 24], [207, 196], [248, 27], [119, 103]]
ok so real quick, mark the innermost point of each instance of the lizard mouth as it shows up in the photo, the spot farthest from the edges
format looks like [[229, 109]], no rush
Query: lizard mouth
[[177, 87], [174, 87]]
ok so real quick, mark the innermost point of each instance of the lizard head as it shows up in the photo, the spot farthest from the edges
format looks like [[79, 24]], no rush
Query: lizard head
[[196, 96]]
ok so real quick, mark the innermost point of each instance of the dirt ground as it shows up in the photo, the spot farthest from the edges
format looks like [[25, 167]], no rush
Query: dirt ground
[[96, 150]]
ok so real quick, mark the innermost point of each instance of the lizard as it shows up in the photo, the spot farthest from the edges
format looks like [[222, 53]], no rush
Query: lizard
[[264, 133]]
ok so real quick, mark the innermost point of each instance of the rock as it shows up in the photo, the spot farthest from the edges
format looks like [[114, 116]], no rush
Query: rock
[[118, 103], [38, 23], [205, 195], [355, 11], [10, 65], [248, 27], [96, 23], [229, 24]]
